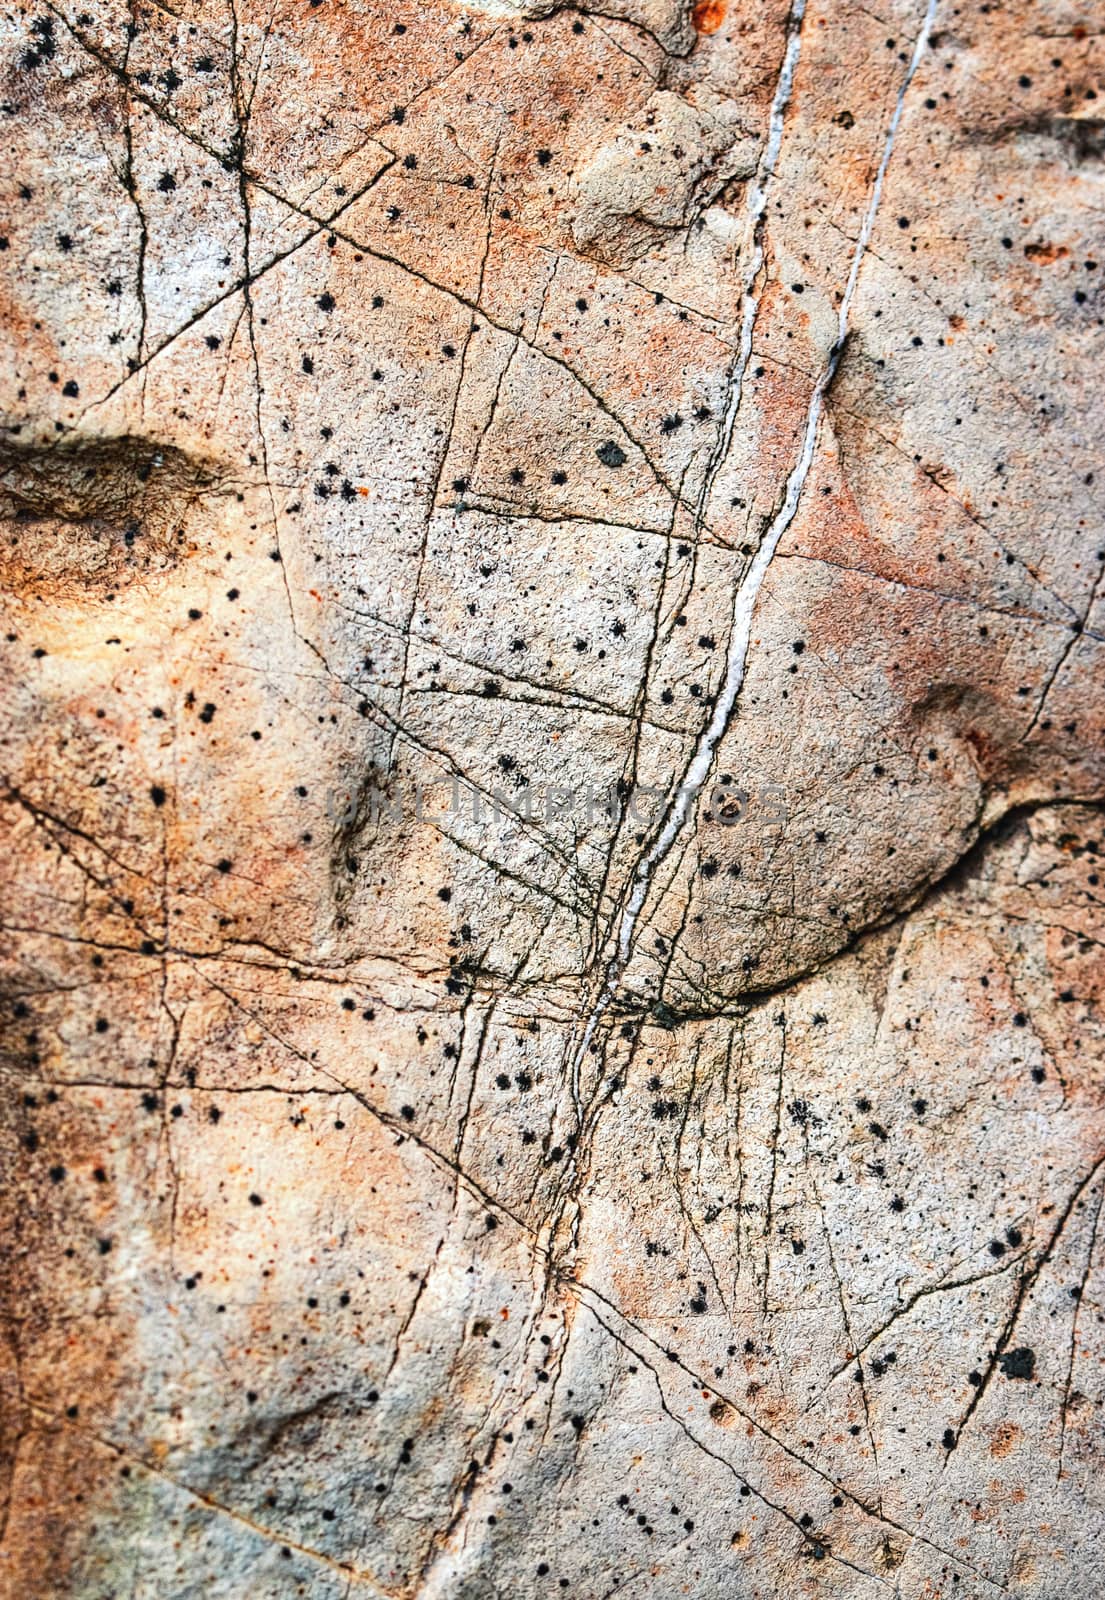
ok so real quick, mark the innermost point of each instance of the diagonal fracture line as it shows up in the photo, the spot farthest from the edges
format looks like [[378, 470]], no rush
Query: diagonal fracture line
[[747, 592], [753, 288], [750, 304]]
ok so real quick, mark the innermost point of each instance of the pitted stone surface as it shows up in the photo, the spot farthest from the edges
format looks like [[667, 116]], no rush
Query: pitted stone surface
[[552, 763]]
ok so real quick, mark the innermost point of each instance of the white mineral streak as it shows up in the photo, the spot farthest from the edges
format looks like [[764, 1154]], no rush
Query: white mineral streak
[[748, 590]]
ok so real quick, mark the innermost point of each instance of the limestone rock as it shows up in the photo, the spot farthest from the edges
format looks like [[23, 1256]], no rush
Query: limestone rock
[[553, 770], [656, 173]]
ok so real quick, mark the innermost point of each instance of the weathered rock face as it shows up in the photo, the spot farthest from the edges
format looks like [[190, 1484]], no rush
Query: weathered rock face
[[552, 765]]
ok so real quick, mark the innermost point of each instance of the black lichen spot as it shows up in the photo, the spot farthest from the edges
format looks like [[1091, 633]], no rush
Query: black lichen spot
[[611, 454], [44, 47], [1019, 1363]]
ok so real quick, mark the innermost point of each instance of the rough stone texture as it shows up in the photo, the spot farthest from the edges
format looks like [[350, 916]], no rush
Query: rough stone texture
[[484, 1191]]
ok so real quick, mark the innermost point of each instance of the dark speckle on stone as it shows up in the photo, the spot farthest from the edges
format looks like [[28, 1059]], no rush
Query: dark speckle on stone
[[1019, 1363]]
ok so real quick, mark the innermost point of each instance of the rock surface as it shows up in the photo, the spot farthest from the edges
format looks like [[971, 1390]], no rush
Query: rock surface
[[552, 767]]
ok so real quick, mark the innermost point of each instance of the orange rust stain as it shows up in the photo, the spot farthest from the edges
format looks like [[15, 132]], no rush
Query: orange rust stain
[[983, 748], [708, 15]]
